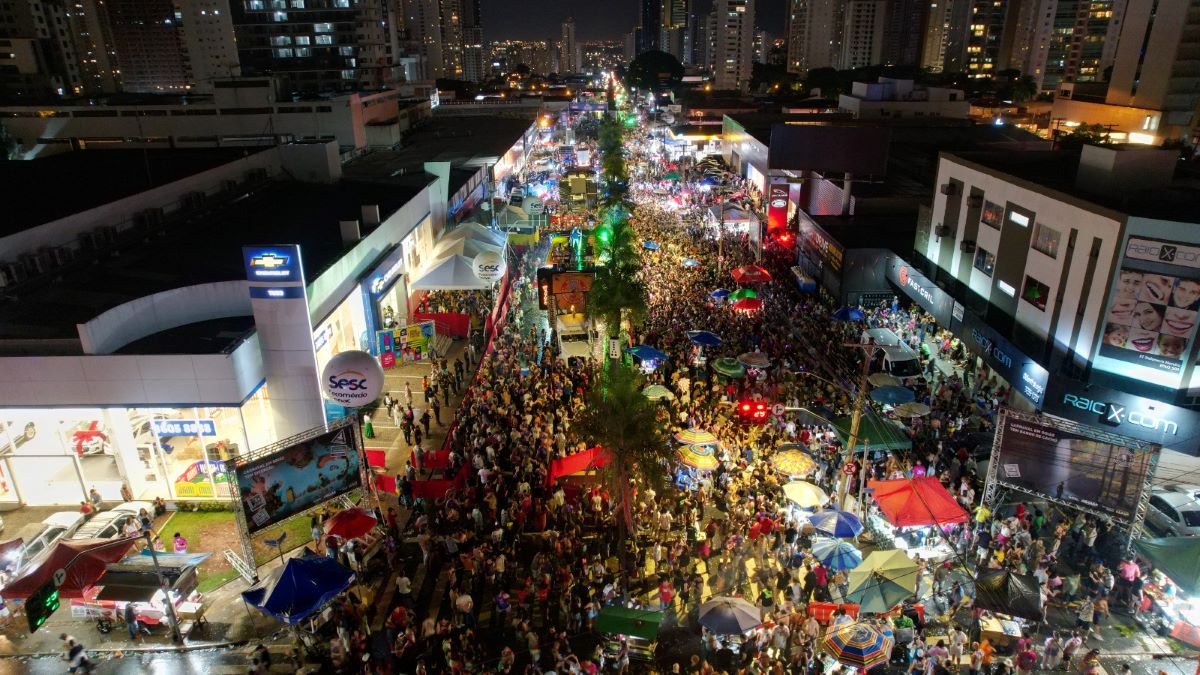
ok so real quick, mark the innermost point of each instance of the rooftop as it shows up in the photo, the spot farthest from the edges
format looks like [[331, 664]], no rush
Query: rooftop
[[60, 185], [464, 141], [1056, 170], [206, 249], [893, 232]]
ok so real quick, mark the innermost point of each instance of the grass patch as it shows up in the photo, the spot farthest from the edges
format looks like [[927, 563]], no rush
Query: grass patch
[[211, 582], [298, 534], [210, 532]]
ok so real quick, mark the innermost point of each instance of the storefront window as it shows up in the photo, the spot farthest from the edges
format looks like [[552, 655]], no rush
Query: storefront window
[[1046, 239], [1035, 293], [343, 330], [189, 446], [985, 261], [59, 454], [992, 214]]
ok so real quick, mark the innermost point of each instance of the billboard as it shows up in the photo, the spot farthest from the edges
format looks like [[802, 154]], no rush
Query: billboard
[[282, 484], [1150, 322], [826, 148], [1137, 417], [1046, 460]]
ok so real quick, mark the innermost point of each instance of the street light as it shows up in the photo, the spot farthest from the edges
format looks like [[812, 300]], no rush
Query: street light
[[166, 588]]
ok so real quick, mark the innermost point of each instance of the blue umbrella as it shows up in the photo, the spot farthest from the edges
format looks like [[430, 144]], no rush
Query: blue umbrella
[[719, 294], [647, 353], [709, 181], [836, 523], [651, 245], [849, 314], [704, 338], [836, 554], [691, 262], [893, 395]]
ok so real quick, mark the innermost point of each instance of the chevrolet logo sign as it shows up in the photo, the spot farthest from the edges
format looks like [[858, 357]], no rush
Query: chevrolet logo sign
[[269, 261]]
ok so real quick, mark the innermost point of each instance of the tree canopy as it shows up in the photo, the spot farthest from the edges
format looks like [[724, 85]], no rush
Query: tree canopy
[[654, 70]]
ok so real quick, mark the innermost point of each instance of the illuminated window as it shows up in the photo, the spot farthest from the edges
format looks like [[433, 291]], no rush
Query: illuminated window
[[1035, 293], [992, 214], [1046, 239], [985, 261]]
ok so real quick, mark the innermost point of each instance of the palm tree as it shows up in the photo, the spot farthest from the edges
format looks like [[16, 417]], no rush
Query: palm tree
[[623, 421]]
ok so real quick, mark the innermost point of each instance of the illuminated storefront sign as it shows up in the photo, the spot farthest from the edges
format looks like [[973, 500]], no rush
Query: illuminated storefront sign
[[1134, 416]]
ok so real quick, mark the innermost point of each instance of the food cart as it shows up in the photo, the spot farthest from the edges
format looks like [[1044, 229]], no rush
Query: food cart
[[637, 628], [1170, 601], [134, 580]]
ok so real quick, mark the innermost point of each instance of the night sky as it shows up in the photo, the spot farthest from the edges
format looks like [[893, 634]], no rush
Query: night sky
[[594, 19]]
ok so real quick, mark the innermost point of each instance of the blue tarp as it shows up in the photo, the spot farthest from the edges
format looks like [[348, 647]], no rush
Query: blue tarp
[[301, 588]]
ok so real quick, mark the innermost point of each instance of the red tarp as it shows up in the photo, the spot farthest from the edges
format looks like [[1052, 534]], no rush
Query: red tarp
[[436, 489], [453, 324], [385, 483], [907, 502], [376, 458], [83, 560], [592, 458], [435, 461]]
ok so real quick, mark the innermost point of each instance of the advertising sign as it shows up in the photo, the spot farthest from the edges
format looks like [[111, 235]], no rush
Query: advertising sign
[[922, 291], [352, 379], [169, 428], [818, 245], [295, 479], [1152, 312], [1042, 459], [777, 207], [1142, 418], [1027, 377], [272, 263]]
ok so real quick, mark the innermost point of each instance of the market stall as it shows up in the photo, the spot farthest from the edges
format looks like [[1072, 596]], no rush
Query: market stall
[[134, 580], [908, 514], [1171, 590], [636, 628]]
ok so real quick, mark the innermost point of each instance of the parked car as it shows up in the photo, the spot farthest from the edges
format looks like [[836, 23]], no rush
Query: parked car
[[39, 537], [111, 523], [1174, 513]]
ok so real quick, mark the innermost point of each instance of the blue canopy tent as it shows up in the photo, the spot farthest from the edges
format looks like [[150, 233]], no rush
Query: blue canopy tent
[[704, 338], [300, 588]]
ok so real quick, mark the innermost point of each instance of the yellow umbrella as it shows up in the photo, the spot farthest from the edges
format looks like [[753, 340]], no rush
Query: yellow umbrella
[[882, 580], [695, 437], [794, 463], [698, 456], [805, 495]]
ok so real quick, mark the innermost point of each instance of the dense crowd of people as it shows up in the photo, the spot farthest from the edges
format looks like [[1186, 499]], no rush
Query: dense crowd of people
[[530, 564]]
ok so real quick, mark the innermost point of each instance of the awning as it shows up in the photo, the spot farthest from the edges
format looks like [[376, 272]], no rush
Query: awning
[[874, 433], [141, 585], [467, 247], [910, 502], [454, 273], [475, 231], [625, 621], [1176, 557]]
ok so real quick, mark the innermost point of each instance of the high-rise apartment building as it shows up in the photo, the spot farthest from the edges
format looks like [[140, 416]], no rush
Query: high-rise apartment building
[[1156, 64], [1072, 40], [336, 46], [649, 26], [862, 33], [734, 44], [937, 33], [164, 46], [815, 32], [762, 46], [148, 40], [904, 31], [982, 37], [472, 36], [422, 36], [568, 61]]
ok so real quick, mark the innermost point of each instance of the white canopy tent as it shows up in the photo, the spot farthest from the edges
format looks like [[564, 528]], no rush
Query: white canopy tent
[[453, 273], [477, 232], [465, 247]]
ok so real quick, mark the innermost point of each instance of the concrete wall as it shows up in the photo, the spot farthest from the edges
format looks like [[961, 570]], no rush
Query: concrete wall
[[131, 380], [1073, 292], [151, 314]]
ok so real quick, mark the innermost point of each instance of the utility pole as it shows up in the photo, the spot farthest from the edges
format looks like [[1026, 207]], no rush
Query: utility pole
[[166, 589], [860, 402]]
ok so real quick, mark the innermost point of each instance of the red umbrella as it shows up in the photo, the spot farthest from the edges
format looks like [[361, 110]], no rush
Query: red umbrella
[[748, 304], [78, 562], [751, 274], [351, 523]]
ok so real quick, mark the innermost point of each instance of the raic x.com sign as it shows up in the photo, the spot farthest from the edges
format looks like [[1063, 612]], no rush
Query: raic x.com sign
[[1125, 414]]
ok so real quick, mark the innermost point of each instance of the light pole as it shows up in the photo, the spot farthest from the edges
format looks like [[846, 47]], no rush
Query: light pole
[[166, 588]]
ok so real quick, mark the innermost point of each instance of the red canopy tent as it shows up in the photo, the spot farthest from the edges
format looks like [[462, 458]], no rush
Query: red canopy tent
[[82, 561], [908, 502]]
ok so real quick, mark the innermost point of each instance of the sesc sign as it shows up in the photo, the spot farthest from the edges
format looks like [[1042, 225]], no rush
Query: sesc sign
[[353, 379]]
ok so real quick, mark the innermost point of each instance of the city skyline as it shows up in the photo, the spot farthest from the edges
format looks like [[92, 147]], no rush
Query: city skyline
[[510, 20]]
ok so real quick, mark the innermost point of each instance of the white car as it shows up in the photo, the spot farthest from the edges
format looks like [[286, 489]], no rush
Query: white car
[[1174, 513], [111, 524], [39, 537]]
